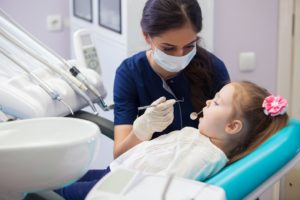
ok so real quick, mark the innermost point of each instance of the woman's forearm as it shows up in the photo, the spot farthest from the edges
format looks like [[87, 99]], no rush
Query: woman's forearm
[[124, 139]]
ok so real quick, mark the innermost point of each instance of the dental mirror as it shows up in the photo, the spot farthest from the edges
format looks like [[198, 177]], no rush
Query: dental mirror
[[194, 115]]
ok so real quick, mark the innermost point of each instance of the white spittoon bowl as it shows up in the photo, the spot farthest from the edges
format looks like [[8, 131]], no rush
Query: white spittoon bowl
[[44, 154]]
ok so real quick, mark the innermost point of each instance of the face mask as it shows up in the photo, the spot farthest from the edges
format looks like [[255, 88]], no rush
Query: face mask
[[173, 63]]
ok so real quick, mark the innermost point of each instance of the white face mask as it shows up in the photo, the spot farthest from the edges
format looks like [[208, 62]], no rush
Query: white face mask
[[173, 63]]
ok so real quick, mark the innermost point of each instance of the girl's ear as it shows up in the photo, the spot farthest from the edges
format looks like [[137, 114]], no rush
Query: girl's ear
[[234, 127]]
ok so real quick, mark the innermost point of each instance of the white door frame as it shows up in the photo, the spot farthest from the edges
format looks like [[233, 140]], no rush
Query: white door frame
[[285, 46], [288, 80], [295, 104], [285, 66]]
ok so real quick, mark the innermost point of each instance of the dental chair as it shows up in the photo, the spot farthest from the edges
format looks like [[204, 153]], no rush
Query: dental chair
[[250, 176]]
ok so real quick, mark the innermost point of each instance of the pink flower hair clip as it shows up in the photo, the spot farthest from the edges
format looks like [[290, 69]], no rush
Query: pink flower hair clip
[[274, 105]]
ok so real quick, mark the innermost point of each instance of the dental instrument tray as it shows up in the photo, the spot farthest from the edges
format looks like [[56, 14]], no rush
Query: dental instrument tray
[[36, 82], [124, 184]]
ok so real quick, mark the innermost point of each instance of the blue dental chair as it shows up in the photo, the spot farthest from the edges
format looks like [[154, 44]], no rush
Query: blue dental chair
[[250, 176], [253, 174]]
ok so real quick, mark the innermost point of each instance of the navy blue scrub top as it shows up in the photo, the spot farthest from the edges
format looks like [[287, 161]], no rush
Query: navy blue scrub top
[[136, 84]]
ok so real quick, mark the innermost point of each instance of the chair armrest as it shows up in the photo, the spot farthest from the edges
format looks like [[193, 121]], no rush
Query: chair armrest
[[106, 126]]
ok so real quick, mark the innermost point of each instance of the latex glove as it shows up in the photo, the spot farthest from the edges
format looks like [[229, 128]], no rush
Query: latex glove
[[155, 119]]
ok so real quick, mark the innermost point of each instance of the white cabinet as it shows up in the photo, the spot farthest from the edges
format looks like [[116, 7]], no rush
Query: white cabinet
[[112, 47]]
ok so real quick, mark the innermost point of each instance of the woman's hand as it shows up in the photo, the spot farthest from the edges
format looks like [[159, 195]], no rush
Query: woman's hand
[[155, 119]]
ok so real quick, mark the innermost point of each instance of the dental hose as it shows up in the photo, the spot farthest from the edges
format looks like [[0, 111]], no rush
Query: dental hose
[[73, 70], [76, 85], [77, 73], [53, 94]]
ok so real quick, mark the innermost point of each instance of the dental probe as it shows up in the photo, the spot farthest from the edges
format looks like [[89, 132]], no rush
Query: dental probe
[[53, 94], [194, 115], [79, 75], [149, 106], [67, 77]]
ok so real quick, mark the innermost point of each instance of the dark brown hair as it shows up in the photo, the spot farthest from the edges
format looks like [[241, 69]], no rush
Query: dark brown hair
[[248, 99], [160, 16]]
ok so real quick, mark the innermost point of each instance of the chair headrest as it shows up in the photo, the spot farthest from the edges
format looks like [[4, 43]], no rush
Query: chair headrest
[[251, 171]]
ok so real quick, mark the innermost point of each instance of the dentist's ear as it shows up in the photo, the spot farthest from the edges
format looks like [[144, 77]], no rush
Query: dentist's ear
[[234, 127], [147, 37]]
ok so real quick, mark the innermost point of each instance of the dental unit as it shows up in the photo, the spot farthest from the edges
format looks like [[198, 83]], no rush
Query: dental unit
[[69, 73], [75, 72], [78, 86], [53, 94]]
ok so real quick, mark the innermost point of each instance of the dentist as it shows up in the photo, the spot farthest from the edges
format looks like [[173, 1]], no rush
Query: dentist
[[174, 68]]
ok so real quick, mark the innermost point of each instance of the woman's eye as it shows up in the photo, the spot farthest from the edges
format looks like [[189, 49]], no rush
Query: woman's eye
[[190, 46], [168, 49], [216, 103]]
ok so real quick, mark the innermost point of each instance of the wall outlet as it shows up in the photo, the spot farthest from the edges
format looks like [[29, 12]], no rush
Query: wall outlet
[[54, 23], [247, 61]]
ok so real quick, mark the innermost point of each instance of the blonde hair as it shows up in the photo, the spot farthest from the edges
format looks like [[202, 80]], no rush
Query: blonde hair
[[257, 126]]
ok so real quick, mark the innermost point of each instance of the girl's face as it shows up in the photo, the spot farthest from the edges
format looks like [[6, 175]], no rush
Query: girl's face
[[217, 113], [175, 42]]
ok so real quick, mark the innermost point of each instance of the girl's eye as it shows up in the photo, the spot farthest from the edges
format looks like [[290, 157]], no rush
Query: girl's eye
[[216, 103]]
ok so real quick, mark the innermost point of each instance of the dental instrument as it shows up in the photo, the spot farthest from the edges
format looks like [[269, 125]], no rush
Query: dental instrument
[[83, 82], [75, 72], [194, 115], [53, 94], [149, 106], [73, 82]]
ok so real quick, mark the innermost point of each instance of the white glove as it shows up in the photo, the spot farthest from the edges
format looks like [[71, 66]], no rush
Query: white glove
[[155, 119]]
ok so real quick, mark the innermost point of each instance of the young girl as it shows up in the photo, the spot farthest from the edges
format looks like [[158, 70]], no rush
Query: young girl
[[241, 116]]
